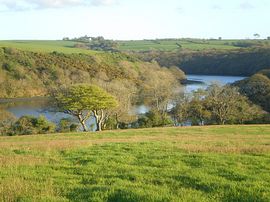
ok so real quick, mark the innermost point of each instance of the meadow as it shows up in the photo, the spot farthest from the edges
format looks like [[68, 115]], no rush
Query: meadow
[[213, 163], [139, 45], [44, 46], [173, 44]]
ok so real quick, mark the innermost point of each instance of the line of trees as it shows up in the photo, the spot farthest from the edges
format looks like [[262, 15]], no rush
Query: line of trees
[[94, 43], [217, 105], [239, 62]]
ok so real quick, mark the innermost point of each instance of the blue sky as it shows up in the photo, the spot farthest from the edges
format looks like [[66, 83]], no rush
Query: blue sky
[[134, 19]]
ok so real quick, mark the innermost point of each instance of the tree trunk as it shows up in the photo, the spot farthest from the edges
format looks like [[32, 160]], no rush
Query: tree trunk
[[84, 126], [99, 126], [82, 122], [117, 122], [99, 119]]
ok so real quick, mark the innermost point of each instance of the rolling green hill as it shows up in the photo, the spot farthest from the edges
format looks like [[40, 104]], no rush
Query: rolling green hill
[[175, 44], [44, 46], [137, 45], [194, 56], [217, 163]]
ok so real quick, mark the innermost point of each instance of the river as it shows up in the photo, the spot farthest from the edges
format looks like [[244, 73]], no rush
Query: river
[[203, 81], [38, 106]]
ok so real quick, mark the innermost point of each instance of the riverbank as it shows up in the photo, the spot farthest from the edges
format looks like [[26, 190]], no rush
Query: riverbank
[[39, 105]]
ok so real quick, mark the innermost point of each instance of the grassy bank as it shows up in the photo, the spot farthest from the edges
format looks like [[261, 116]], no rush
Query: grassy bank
[[218, 163]]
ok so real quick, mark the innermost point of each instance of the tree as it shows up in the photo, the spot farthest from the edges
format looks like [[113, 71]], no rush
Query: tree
[[225, 103], [180, 112], [197, 109], [246, 111], [83, 100], [257, 89], [160, 86], [125, 93], [256, 35]]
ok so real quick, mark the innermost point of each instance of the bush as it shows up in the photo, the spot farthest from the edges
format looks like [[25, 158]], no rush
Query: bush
[[6, 121], [27, 125], [66, 125], [9, 67], [154, 119]]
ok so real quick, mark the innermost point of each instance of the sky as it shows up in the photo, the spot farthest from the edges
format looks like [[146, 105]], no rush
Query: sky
[[134, 19]]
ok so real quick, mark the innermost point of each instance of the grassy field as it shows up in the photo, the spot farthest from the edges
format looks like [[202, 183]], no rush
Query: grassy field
[[45, 46], [133, 45], [171, 45], [218, 163], [141, 45]]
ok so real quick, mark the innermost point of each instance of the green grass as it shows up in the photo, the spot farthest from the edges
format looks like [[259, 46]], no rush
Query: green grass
[[136, 45], [44, 46], [229, 163], [171, 45]]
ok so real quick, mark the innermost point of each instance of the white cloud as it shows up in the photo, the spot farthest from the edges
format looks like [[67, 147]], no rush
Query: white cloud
[[14, 5]]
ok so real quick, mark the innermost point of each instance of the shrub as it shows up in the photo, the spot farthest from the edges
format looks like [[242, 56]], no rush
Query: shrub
[[27, 125], [66, 125], [154, 119], [6, 121]]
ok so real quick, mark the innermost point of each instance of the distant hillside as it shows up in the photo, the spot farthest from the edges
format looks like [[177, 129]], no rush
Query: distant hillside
[[72, 46], [194, 56], [240, 62], [189, 44], [28, 74]]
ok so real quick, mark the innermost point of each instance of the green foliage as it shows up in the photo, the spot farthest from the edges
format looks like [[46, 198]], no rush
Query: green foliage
[[257, 89], [216, 105], [180, 111], [6, 121], [242, 62], [84, 97], [27, 125], [195, 56], [154, 118], [8, 67], [246, 44], [83, 100], [227, 105], [100, 44], [66, 125], [197, 109], [29, 74]]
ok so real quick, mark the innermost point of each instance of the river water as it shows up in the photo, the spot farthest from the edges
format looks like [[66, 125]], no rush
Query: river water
[[39, 106], [203, 81]]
